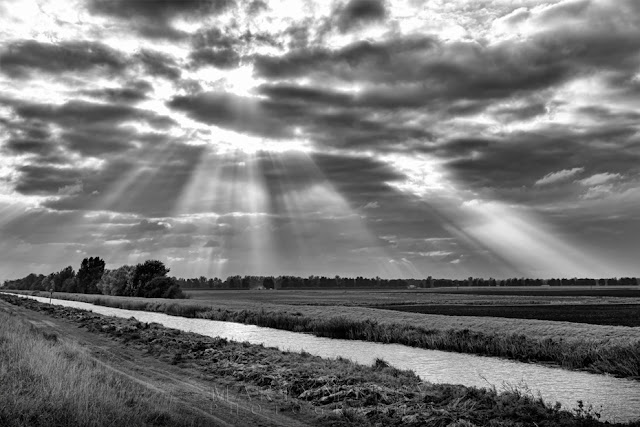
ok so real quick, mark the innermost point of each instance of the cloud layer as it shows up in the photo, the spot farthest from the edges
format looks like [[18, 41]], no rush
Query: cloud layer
[[358, 137]]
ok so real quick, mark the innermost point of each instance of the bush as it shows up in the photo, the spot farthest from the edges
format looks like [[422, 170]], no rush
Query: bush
[[161, 287]]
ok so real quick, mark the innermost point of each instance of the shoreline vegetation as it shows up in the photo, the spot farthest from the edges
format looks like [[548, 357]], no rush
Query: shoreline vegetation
[[618, 357], [333, 392]]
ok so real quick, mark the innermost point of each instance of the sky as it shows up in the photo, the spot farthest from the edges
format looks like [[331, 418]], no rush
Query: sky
[[356, 138]]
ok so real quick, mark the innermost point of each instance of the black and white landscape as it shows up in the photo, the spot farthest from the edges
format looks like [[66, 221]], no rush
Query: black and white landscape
[[327, 213], [396, 139]]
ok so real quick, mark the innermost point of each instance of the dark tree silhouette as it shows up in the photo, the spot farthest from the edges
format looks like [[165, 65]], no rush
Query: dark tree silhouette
[[161, 287], [143, 274], [89, 275]]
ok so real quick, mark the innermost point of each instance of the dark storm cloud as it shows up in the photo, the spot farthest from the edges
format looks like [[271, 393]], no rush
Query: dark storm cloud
[[359, 12], [357, 175], [153, 18], [350, 62], [31, 138], [242, 114], [606, 115], [45, 180], [322, 114], [509, 167], [305, 94], [21, 57], [96, 130], [99, 140], [418, 71], [98, 133], [340, 170], [83, 113], [341, 119], [158, 64], [222, 47], [214, 37], [33, 146], [132, 92], [415, 71]]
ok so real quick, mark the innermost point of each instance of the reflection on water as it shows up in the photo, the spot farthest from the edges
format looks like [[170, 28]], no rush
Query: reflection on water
[[616, 398]]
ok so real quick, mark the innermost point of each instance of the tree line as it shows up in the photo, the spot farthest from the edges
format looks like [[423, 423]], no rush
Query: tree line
[[147, 280], [322, 282], [150, 280]]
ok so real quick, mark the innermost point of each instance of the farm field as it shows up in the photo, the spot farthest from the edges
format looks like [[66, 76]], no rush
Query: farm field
[[601, 314], [467, 296]]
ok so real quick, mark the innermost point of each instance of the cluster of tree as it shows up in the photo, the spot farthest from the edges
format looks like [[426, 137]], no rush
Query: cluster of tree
[[66, 280], [148, 280]]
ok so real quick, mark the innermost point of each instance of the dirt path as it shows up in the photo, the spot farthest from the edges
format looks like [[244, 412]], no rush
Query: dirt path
[[209, 399]]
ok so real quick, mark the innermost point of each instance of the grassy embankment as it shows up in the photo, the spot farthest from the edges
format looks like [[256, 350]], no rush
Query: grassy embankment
[[342, 392], [48, 382], [571, 346]]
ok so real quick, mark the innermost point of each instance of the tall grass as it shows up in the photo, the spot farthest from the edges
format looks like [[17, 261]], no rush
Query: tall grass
[[622, 360], [49, 382]]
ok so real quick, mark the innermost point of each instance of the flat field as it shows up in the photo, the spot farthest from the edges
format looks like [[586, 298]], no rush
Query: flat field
[[463, 296], [594, 314]]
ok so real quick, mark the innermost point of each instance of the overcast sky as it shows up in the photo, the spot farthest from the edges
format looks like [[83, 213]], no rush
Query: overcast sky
[[363, 137]]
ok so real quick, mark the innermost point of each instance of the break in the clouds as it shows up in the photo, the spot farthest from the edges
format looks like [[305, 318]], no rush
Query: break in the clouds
[[361, 137]]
